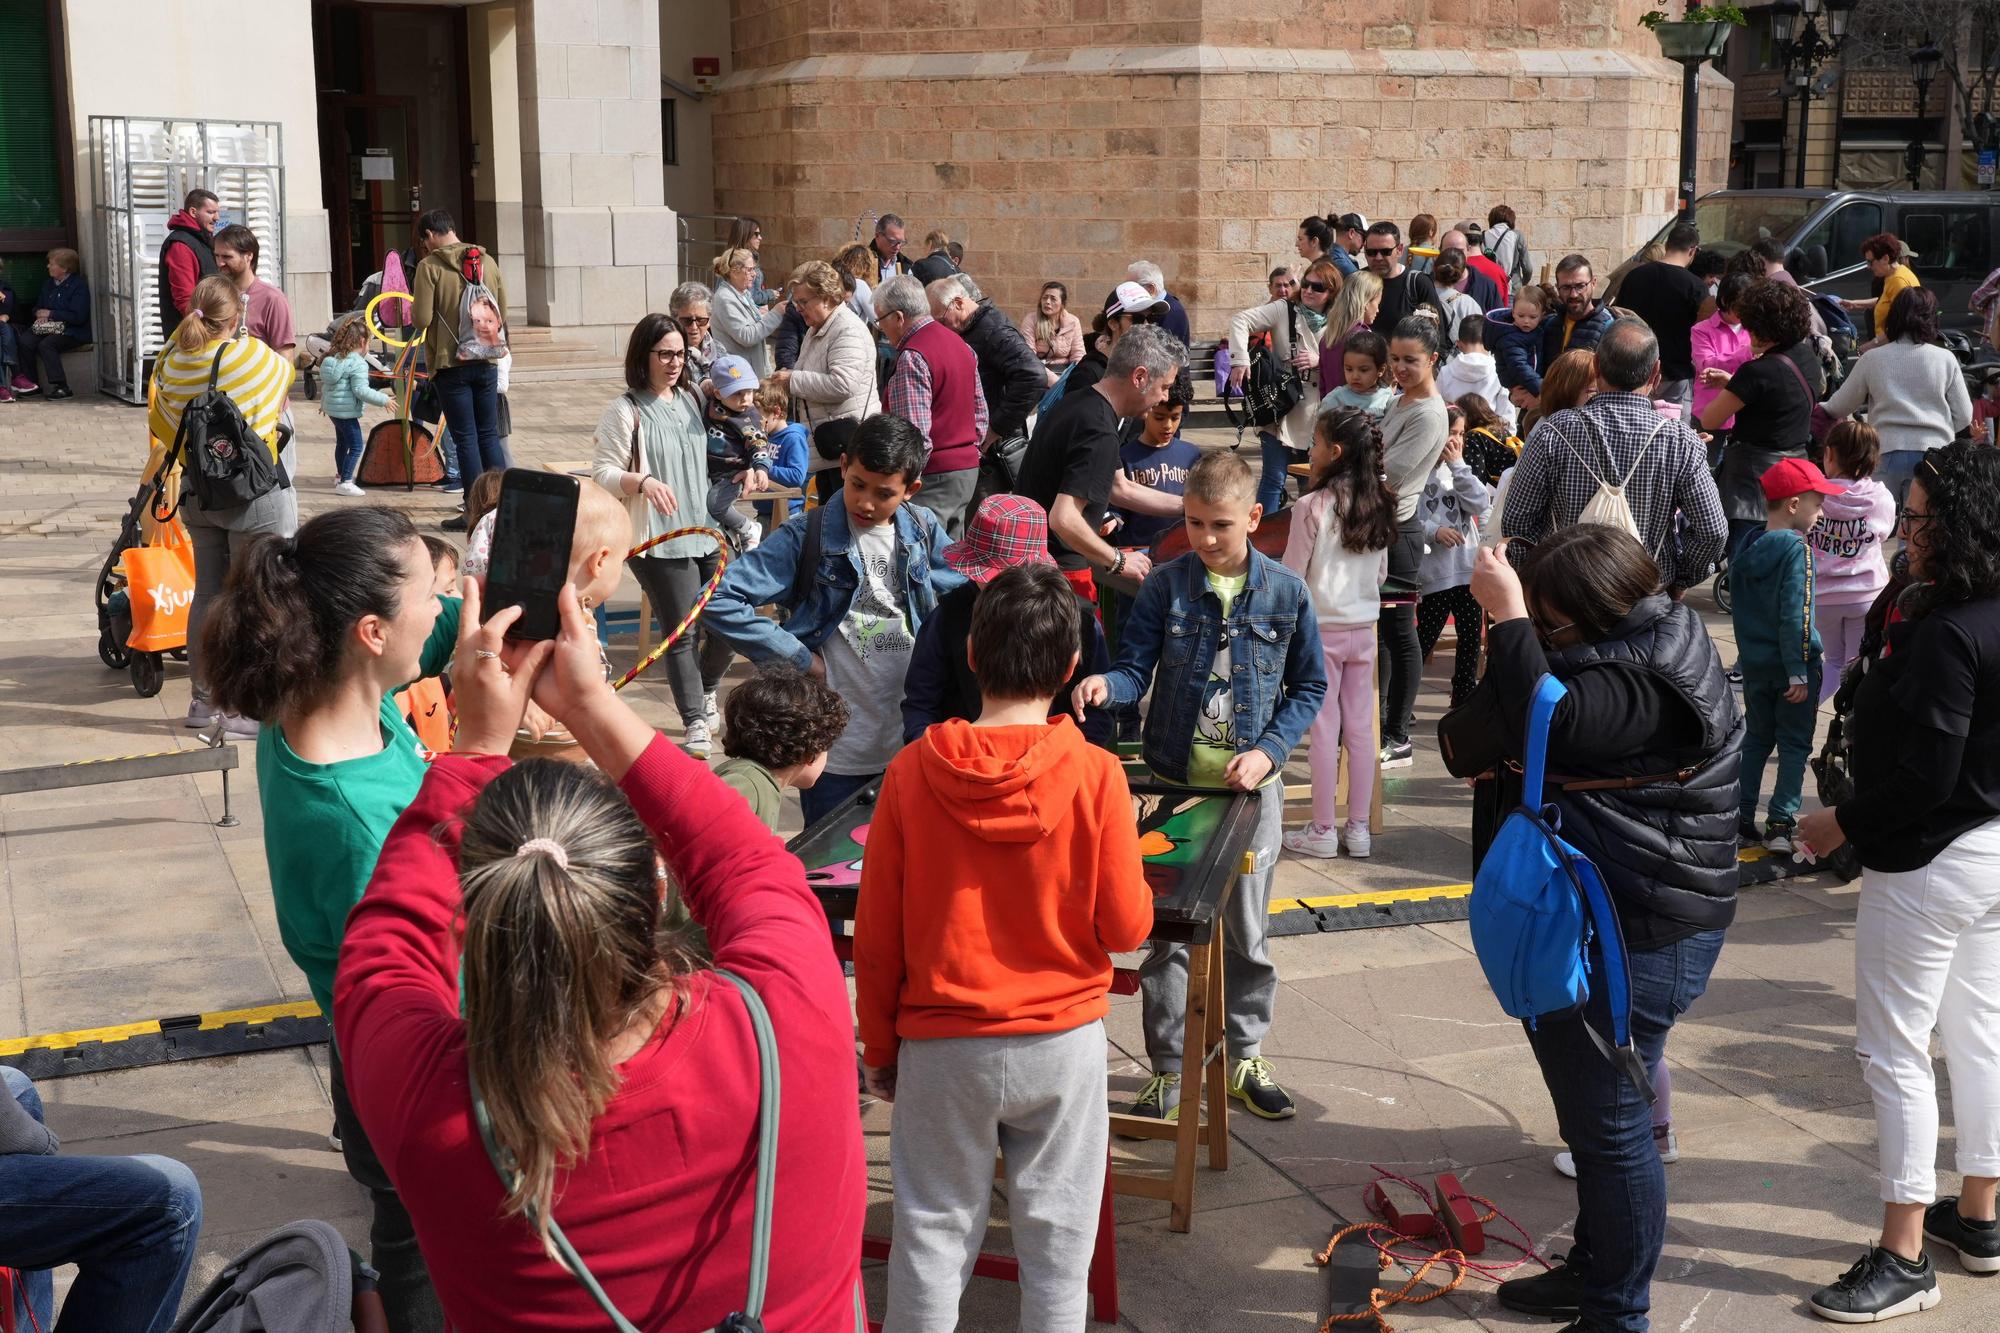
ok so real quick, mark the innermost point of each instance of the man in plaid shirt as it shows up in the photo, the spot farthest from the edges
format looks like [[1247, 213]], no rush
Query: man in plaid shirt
[[935, 387], [1618, 437]]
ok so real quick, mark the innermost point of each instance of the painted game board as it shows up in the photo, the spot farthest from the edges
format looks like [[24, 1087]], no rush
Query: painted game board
[[1193, 844]]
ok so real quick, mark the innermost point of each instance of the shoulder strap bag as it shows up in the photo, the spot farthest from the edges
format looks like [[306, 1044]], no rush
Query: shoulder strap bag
[[750, 1319]]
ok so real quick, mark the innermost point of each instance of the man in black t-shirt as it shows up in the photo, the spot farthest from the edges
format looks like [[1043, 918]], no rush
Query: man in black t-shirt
[[1403, 292], [1669, 298], [1073, 458]]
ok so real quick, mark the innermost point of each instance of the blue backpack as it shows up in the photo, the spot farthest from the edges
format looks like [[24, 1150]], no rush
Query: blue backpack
[[1537, 906]]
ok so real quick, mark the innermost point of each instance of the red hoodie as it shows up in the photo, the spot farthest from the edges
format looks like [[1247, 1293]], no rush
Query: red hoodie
[[1002, 873], [660, 1207]]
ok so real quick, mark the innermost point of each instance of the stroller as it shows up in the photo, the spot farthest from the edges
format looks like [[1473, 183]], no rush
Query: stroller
[[146, 586]]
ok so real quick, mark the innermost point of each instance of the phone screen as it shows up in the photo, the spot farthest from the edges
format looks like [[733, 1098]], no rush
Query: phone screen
[[532, 533]]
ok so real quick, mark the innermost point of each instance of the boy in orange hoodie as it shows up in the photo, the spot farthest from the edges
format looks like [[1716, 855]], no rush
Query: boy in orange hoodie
[[1002, 873]]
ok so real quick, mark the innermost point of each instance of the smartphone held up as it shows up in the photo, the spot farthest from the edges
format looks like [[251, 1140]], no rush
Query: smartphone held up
[[533, 529]]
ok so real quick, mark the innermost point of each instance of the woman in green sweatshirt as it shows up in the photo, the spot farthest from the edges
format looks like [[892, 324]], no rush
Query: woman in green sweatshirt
[[313, 637]]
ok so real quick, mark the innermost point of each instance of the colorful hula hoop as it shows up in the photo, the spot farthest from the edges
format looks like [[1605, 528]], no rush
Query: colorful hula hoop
[[368, 318], [708, 591]]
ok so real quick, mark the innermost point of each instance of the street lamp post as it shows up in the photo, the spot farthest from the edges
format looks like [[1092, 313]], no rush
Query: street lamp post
[[1924, 63], [1804, 53]]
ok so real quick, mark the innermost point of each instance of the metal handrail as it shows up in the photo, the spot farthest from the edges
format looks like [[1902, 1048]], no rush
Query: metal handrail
[[708, 249]]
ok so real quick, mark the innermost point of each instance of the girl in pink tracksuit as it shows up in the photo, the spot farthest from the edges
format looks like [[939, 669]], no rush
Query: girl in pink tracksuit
[[1339, 543], [1847, 562]]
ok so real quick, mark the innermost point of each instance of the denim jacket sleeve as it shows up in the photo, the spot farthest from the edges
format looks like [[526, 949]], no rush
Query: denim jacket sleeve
[[1140, 640], [1303, 690], [756, 579]]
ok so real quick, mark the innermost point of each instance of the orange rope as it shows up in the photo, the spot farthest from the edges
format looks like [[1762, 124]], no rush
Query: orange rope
[[1379, 1298]]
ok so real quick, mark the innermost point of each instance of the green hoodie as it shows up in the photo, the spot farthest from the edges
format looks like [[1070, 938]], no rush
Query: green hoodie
[[1771, 606]]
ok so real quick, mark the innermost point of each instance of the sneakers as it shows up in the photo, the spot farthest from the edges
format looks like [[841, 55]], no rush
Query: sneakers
[[1160, 1099], [22, 384], [200, 714], [1978, 1247], [1663, 1139], [456, 523], [61, 391], [1880, 1286], [1556, 1294], [1734, 675], [333, 1139], [1314, 840], [347, 488], [1250, 1082], [238, 728], [1354, 837], [448, 486], [6, 394], [1778, 836], [696, 741], [1398, 754], [711, 712]]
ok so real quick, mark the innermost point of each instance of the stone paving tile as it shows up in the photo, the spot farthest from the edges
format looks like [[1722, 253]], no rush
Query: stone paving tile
[[1388, 1038]]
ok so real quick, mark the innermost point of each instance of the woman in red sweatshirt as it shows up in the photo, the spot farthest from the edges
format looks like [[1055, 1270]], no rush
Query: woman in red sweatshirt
[[622, 1080]]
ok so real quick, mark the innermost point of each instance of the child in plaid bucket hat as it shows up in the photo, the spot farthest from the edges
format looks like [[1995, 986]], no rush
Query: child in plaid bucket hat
[[1005, 532]]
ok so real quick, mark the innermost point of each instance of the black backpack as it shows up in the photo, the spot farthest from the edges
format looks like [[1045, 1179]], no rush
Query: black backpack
[[1272, 388], [227, 462]]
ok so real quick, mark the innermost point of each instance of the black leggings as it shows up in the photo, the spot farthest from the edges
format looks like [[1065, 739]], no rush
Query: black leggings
[[1453, 604], [407, 1295], [672, 583], [1396, 638]]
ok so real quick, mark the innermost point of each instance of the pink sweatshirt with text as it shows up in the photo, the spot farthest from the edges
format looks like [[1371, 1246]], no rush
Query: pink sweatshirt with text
[[1847, 542]]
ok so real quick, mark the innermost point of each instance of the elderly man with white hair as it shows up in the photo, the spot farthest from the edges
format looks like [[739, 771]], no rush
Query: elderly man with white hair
[[935, 387], [1147, 274], [1009, 372]]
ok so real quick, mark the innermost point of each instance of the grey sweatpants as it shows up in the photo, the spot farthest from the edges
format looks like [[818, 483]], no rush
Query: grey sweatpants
[[1249, 981], [1040, 1102]]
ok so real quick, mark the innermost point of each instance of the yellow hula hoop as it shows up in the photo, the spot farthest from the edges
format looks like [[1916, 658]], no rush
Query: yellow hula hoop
[[368, 318], [708, 591]]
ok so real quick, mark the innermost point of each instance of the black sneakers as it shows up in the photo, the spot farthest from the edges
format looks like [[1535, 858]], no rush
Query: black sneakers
[[1978, 1247], [1880, 1286], [1556, 1294]]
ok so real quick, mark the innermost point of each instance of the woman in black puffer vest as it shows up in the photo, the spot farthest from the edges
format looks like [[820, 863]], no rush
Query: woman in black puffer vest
[[1642, 757]]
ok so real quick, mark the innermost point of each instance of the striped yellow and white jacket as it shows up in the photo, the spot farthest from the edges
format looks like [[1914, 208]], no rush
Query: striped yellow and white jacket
[[254, 377]]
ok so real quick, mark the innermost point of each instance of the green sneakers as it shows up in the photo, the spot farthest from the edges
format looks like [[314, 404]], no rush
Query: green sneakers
[[1250, 1082], [1160, 1099]]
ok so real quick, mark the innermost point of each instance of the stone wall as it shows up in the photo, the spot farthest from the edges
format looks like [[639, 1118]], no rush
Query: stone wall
[[1100, 131]]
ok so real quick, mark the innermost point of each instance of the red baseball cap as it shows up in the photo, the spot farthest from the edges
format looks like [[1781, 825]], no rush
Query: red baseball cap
[[1795, 476]]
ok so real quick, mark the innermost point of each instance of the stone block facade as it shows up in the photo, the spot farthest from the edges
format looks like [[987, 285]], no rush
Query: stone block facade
[[1080, 134], [595, 227]]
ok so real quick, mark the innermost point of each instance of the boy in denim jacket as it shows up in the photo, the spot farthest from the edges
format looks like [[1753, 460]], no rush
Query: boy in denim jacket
[[1227, 639], [853, 620]]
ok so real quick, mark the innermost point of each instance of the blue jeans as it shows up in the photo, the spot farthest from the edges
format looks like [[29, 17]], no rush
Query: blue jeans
[[1896, 469], [10, 353], [823, 797], [128, 1223], [469, 393], [1769, 722], [346, 446], [1271, 485], [1621, 1187]]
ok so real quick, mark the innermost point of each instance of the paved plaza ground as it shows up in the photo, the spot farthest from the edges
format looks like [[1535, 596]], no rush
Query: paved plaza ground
[[127, 903]]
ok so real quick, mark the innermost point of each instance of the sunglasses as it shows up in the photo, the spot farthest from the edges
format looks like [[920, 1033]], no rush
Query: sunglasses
[[1374, 253], [1313, 287]]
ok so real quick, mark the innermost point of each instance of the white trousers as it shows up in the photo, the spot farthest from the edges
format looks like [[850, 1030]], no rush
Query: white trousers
[[1927, 955]]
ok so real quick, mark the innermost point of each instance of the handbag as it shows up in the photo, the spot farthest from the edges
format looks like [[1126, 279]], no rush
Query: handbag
[[1272, 388], [48, 328], [750, 1319]]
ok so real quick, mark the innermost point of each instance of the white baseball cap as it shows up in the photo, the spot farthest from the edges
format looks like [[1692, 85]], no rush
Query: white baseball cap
[[1130, 298]]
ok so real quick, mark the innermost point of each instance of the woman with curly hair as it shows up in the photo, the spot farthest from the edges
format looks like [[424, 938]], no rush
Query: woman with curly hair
[[1910, 388], [1884, 254], [1771, 398], [1925, 821]]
